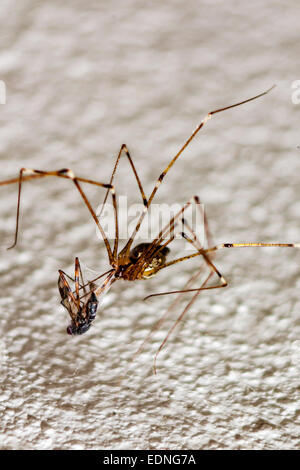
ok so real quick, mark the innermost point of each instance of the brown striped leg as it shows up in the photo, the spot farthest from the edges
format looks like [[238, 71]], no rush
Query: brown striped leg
[[27, 174], [127, 247], [251, 244], [178, 320], [123, 149], [161, 321], [204, 253], [222, 279], [208, 235], [195, 242], [223, 282], [76, 277], [227, 245], [169, 228], [78, 274]]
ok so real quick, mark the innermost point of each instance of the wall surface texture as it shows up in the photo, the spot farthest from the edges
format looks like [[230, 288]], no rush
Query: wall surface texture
[[82, 78]]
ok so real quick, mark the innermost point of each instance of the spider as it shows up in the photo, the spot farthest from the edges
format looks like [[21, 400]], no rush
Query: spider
[[145, 259]]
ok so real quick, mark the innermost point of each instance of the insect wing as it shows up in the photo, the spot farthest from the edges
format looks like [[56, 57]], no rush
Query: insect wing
[[67, 298]]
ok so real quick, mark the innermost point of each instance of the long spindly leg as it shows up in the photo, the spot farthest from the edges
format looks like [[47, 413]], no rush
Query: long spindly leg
[[223, 283], [195, 239], [209, 251], [204, 287], [202, 212], [168, 230], [185, 224], [179, 319], [235, 245], [123, 149], [27, 174], [178, 260], [127, 247], [78, 278], [252, 244], [161, 321], [187, 288]]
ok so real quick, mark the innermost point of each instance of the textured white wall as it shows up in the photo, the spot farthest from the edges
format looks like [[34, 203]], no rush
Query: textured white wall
[[82, 78]]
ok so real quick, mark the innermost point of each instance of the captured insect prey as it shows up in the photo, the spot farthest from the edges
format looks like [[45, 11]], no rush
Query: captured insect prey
[[145, 260], [82, 313]]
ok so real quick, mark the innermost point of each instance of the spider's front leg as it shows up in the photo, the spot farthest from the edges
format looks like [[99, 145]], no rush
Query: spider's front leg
[[27, 174]]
